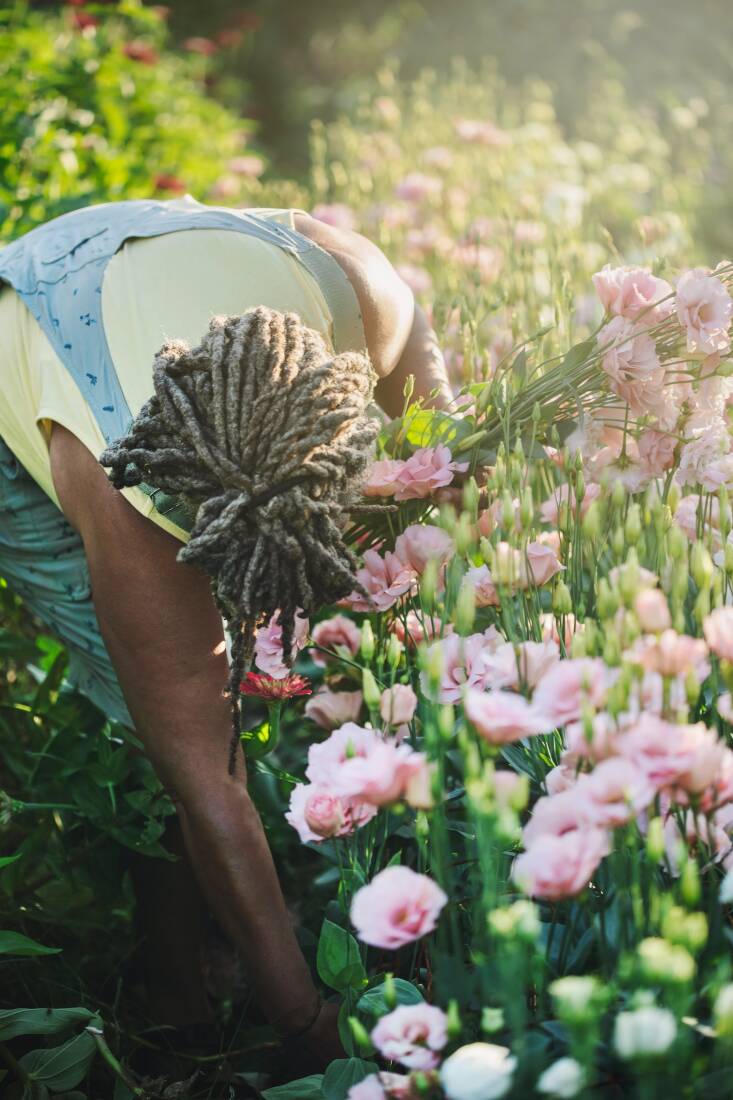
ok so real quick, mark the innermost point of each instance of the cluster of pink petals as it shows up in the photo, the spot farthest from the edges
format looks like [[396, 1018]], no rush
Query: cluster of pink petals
[[428, 469], [704, 309], [564, 495], [331, 709], [397, 907], [557, 867], [418, 187], [397, 705], [415, 628], [503, 716], [718, 630], [383, 1086], [334, 634], [671, 654], [632, 365], [269, 656], [634, 293], [480, 132], [355, 762], [420, 543], [412, 1035], [385, 580], [318, 814]]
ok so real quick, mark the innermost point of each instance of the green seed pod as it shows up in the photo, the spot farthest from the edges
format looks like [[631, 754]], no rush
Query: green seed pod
[[367, 645]]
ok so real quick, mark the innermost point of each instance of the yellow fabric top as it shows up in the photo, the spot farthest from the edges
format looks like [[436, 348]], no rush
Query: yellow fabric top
[[154, 289]]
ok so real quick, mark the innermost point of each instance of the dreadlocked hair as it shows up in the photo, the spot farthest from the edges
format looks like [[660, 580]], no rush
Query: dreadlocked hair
[[264, 433]]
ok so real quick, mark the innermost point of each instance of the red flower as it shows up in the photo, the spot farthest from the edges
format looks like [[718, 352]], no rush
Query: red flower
[[229, 38], [265, 687], [83, 20], [166, 182], [140, 50]]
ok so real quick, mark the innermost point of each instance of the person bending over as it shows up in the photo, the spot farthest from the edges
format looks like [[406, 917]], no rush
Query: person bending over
[[237, 447]]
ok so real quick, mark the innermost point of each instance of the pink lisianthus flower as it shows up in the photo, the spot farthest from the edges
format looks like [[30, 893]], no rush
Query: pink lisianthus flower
[[420, 543], [718, 630], [386, 580], [602, 743], [557, 867], [704, 310], [559, 779], [656, 451], [484, 590], [671, 654], [634, 293], [317, 814], [337, 214], [480, 132], [416, 277], [417, 187], [542, 563], [503, 716], [652, 611], [671, 755], [335, 633], [632, 364], [615, 792], [555, 815], [382, 478], [535, 659], [699, 831], [420, 628], [269, 656], [428, 469], [331, 709], [397, 705], [368, 1089], [327, 758], [563, 494], [464, 662], [568, 685], [397, 907], [412, 1035], [383, 776]]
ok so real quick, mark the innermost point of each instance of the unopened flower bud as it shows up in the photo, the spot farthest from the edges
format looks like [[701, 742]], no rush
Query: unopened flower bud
[[701, 566], [591, 522], [652, 611], [492, 1020], [618, 495], [464, 533], [562, 602], [728, 558], [360, 1034], [453, 1025], [429, 582], [471, 497], [606, 600], [655, 839], [372, 694], [366, 646], [526, 510], [723, 1011], [690, 883], [390, 993], [632, 527], [507, 511], [465, 611]]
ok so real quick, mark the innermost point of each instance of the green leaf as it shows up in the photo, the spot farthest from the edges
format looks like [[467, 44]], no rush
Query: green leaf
[[373, 1002], [40, 1021], [12, 943], [5, 861], [342, 1074], [62, 1068], [339, 960], [308, 1088]]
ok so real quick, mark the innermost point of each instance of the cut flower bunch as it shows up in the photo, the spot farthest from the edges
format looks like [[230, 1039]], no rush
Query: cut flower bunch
[[519, 770]]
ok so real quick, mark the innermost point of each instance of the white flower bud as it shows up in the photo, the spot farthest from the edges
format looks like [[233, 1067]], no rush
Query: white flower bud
[[563, 1079], [478, 1071], [645, 1032]]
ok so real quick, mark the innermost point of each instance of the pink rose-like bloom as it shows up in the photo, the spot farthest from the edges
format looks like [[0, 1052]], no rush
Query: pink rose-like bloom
[[559, 779], [316, 813], [569, 684], [502, 716], [397, 907], [383, 776], [269, 648], [421, 543], [602, 743], [464, 663], [656, 451], [698, 829], [535, 659], [704, 309], [412, 1035], [631, 291], [397, 705], [652, 611], [419, 628], [331, 709], [337, 214], [526, 232], [717, 474], [383, 478], [428, 469], [542, 563], [326, 759], [368, 1089], [672, 755], [615, 792], [386, 579], [500, 667], [334, 633], [555, 815], [671, 654], [484, 590], [563, 494], [417, 187], [718, 630], [632, 364], [557, 867]]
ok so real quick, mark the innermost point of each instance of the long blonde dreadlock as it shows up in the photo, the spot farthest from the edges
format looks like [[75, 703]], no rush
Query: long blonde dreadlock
[[264, 432]]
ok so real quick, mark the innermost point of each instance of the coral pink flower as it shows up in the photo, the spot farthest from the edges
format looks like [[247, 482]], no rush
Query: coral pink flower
[[615, 792], [632, 364], [385, 579], [397, 907], [266, 687], [671, 654], [331, 709], [397, 705], [337, 214], [421, 543], [484, 590], [317, 814], [412, 1035], [335, 633], [269, 648], [542, 563], [557, 867], [382, 478], [562, 692], [633, 291], [503, 716], [704, 309], [718, 631], [428, 469]]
